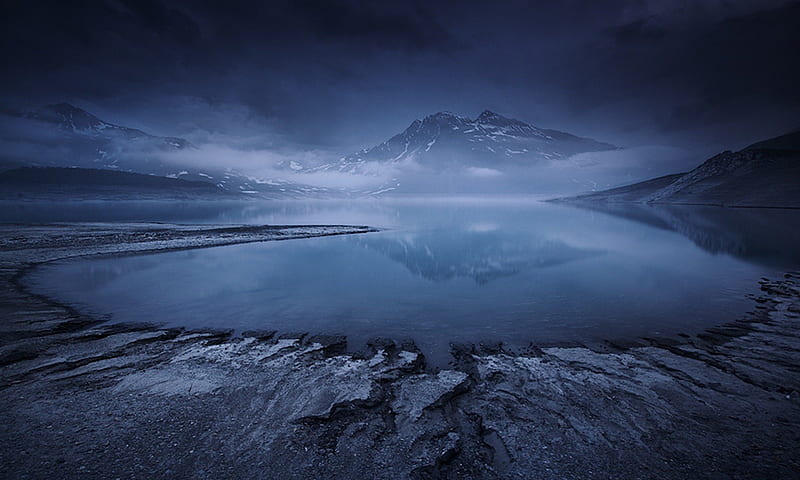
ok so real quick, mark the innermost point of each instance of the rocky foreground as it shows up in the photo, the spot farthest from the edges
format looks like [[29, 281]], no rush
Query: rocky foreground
[[80, 399]]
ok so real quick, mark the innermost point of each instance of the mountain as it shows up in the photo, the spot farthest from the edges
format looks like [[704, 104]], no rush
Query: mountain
[[66, 136], [445, 141], [441, 153], [69, 136], [78, 121], [83, 182], [765, 174]]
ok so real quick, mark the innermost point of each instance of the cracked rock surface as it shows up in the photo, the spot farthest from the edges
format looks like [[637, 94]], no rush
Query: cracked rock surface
[[81, 399]]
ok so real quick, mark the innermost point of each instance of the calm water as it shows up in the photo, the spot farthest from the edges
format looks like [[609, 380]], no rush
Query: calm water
[[447, 271]]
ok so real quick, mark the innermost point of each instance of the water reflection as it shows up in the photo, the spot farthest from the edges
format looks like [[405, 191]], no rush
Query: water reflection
[[769, 236], [452, 271], [477, 252]]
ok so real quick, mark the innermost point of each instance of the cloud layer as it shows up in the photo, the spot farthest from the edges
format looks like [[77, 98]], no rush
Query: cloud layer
[[337, 76]]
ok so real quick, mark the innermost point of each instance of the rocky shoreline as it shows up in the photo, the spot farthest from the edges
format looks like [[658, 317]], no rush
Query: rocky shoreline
[[81, 399]]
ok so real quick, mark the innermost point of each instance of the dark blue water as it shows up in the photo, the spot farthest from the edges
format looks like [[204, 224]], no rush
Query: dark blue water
[[452, 271]]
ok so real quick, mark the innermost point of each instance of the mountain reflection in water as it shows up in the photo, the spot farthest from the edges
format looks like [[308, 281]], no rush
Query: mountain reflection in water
[[452, 271]]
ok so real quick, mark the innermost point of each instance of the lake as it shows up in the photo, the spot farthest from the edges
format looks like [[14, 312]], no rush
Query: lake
[[442, 270]]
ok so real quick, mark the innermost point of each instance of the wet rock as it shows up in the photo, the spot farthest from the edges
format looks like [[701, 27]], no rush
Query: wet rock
[[331, 344], [261, 335], [13, 354], [299, 336], [419, 392]]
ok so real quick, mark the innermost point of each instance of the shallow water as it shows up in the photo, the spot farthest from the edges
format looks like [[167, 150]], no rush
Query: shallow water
[[449, 270]]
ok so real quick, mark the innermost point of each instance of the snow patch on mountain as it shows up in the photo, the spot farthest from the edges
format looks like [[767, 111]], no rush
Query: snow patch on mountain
[[446, 141]]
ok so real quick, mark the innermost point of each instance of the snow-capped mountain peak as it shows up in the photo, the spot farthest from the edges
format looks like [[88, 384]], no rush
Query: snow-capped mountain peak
[[75, 120], [70, 117], [445, 140], [488, 116]]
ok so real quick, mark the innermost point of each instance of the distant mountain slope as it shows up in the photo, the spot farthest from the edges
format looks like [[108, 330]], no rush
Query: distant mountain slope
[[63, 135], [76, 120], [447, 141], [48, 181], [635, 192], [765, 174], [789, 142]]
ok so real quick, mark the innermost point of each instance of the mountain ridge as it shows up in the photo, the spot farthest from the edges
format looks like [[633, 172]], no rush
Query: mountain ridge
[[77, 120], [87, 142], [58, 182], [763, 174], [446, 140]]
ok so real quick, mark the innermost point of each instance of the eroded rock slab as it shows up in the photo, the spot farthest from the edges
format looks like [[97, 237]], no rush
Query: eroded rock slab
[[418, 392]]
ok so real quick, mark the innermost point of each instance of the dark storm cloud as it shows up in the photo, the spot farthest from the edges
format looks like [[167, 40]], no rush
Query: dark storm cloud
[[393, 28], [638, 31], [721, 60], [345, 74], [717, 72], [156, 38]]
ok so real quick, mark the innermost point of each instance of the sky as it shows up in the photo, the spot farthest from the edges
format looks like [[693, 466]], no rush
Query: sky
[[340, 75]]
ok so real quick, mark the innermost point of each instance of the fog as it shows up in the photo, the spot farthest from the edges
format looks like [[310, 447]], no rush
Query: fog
[[263, 158]]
